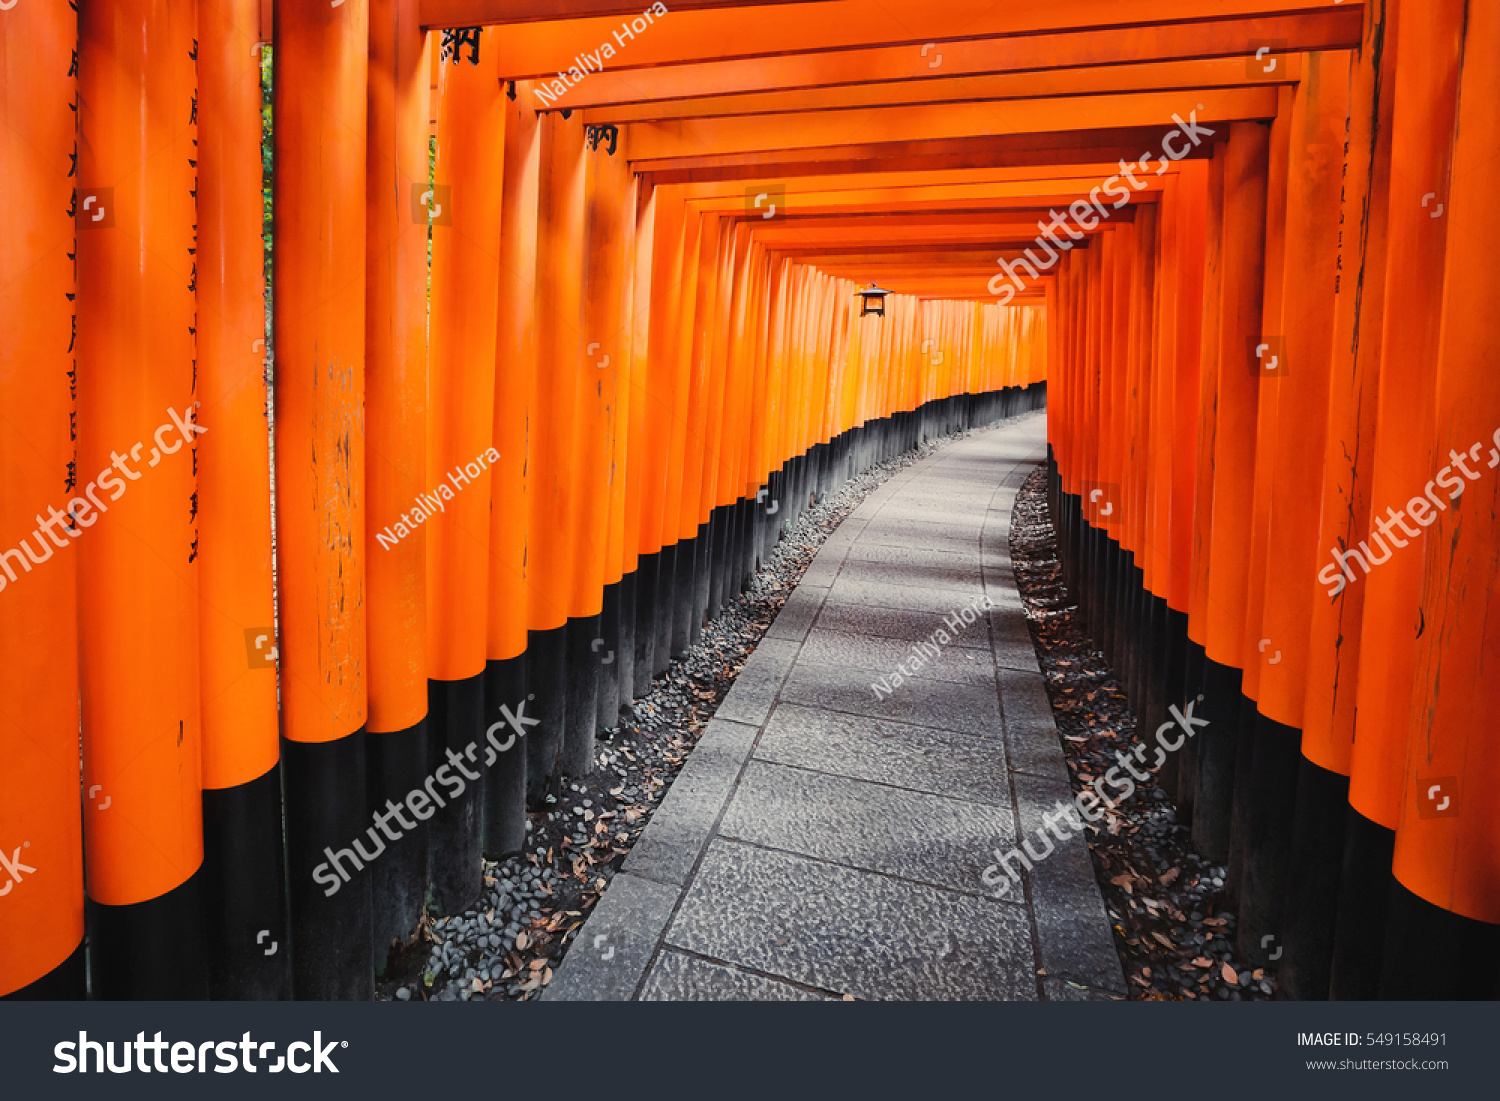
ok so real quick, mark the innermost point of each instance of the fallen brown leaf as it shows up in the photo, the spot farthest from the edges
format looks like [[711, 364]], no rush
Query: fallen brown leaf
[[1229, 976]]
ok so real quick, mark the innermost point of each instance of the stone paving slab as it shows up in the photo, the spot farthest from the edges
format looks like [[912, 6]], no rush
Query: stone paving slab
[[681, 825], [916, 757], [678, 977], [853, 932], [966, 585], [824, 840], [912, 835], [894, 623], [939, 704], [881, 655]]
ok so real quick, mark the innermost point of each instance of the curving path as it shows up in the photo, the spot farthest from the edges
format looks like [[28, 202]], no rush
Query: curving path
[[826, 839]]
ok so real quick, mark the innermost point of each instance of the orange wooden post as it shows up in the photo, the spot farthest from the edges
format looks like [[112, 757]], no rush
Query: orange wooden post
[[551, 543], [1336, 631], [698, 334], [609, 231], [1290, 889], [41, 915], [138, 565], [319, 284], [510, 514], [642, 484], [658, 391], [396, 485], [1404, 463], [589, 464], [621, 554], [468, 175], [1232, 275], [244, 863], [1446, 859], [1426, 106]]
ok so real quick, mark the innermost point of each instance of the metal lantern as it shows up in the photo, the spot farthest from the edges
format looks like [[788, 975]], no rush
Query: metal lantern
[[872, 300]]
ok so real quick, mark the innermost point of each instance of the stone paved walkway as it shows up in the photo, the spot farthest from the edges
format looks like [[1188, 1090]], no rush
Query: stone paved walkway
[[826, 840]]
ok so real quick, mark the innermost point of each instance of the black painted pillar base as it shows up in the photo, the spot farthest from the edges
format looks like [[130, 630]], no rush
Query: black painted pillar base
[[504, 830], [684, 593], [625, 652], [607, 697], [396, 765], [1432, 954], [330, 840], [666, 592], [67, 982], [1276, 761], [698, 612], [1217, 744], [644, 665], [1365, 887], [1312, 883], [717, 557], [244, 886], [581, 684], [455, 745], [1245, 795], [1194, 664], [154, 950], [546, 702]]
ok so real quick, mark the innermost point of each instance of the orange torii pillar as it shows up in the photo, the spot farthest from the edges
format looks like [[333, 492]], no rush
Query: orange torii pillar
[[1247, 805], [652, 395], [625, 488], [465, 215], [677, 560], [1231, 473], [137, 439], [396, 456], [1443, 941], [1429, 45], [1210, 831], [551, 541], [1188, 208], [577, 513], [703, 337], [609, 230], [709, 594], [244, 862], [321, 63], [1337, 630], [644, 473], [1290, 891], [505, 702], [587, 499], [41, 891]]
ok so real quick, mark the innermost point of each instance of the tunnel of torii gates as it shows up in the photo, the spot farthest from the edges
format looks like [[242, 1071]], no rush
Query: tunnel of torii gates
[[1243, 247]]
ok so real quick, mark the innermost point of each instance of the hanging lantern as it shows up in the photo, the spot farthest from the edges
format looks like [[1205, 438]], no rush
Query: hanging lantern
[[872, 300]]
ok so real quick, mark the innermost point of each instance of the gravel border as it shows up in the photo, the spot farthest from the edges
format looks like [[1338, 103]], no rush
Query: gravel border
[[1172, 927]]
